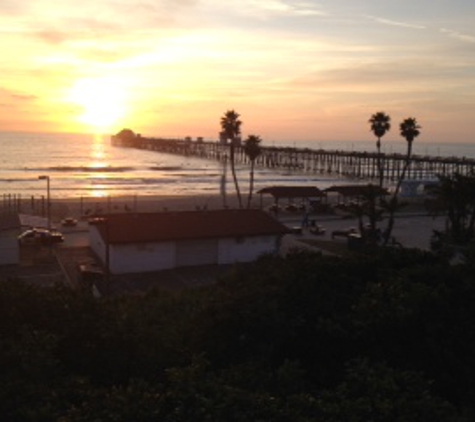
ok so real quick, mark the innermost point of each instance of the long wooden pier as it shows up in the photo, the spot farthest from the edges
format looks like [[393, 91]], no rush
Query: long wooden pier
[[353, 164]]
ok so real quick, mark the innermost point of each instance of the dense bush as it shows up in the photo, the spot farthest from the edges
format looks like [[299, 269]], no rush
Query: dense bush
[[387, 337]]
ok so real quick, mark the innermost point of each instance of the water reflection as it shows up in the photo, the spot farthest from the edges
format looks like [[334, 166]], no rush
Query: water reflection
[[98, 157], [98, 153], [99, 191]]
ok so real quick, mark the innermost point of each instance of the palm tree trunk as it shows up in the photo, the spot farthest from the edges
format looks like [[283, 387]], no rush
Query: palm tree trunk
[[380, 168], [406, 166], [393, 204], [233, 171], [251, 185]]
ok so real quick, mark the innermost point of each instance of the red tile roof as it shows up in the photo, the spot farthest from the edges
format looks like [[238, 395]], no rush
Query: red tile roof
[[164, 226]]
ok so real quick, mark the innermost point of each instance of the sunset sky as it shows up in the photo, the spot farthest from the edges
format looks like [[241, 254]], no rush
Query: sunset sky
[[294, 70]]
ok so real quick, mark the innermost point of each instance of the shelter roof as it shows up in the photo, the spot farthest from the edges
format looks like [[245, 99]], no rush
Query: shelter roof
[[169, 226], [357, 190], [293, 191]]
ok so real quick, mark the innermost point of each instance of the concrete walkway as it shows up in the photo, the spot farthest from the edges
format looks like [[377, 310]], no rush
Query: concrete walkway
[[412, 230]]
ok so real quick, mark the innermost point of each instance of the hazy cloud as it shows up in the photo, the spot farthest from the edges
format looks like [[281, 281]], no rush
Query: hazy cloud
[[163, 13], [267, 8], [77, 29], [458, 35], [394, 23], [104, 55], [24, 97], [385, 76], [7, 93], [53, 36], [11, 7]]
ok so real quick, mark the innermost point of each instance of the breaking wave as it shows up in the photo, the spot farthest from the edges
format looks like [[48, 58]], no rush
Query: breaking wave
[[84, 169]]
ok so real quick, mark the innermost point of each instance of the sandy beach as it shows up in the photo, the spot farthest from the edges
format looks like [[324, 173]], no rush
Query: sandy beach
[[136, 203], [84, 207]]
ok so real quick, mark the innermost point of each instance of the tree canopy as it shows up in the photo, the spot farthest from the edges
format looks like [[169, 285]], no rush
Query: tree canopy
[[388, 337], [380, 123]]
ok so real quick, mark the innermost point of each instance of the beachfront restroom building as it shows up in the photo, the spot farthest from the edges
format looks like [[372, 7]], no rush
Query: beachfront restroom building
[[143, 242], [9, 247]]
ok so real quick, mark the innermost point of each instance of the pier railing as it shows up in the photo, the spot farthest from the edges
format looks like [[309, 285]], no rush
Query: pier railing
[[354, 164]]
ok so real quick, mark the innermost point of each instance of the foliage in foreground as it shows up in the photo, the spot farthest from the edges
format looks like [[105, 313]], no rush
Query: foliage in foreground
[[388, 337]]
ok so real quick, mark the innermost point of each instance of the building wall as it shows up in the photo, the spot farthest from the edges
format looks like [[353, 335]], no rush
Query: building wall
[[142, 257], [245, 249], [196, 252], [9, 250], [96, 243]]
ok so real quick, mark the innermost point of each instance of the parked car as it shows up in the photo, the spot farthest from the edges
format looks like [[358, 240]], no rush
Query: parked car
[[40, 237], [69, 222]]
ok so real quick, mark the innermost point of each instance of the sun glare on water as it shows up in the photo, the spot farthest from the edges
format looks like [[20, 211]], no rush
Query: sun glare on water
[[103, 101], [98, 161], [98, 152]]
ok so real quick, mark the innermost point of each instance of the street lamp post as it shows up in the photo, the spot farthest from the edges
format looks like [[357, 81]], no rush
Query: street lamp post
[[48, 199]]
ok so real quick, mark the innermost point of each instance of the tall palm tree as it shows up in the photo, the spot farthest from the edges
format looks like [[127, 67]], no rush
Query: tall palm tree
[[380, 124], [252, 149], [409, 129], [231, 129]]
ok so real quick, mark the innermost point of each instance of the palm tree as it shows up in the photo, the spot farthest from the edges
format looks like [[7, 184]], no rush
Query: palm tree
[[252, 149], [409, 129], [380, 124], [231, 129]]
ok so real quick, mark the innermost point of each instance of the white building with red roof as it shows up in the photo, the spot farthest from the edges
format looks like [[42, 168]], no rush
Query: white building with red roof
[[142, 242], [9, 231]]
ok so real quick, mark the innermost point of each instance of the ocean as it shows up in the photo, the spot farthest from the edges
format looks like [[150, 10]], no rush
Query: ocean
[[88, 166]]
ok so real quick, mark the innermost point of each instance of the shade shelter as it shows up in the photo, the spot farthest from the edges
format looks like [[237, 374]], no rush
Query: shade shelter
[[304, 193], [355, 193]]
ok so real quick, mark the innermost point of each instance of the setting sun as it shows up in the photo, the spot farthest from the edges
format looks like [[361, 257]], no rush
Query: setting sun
[[103, 101]]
